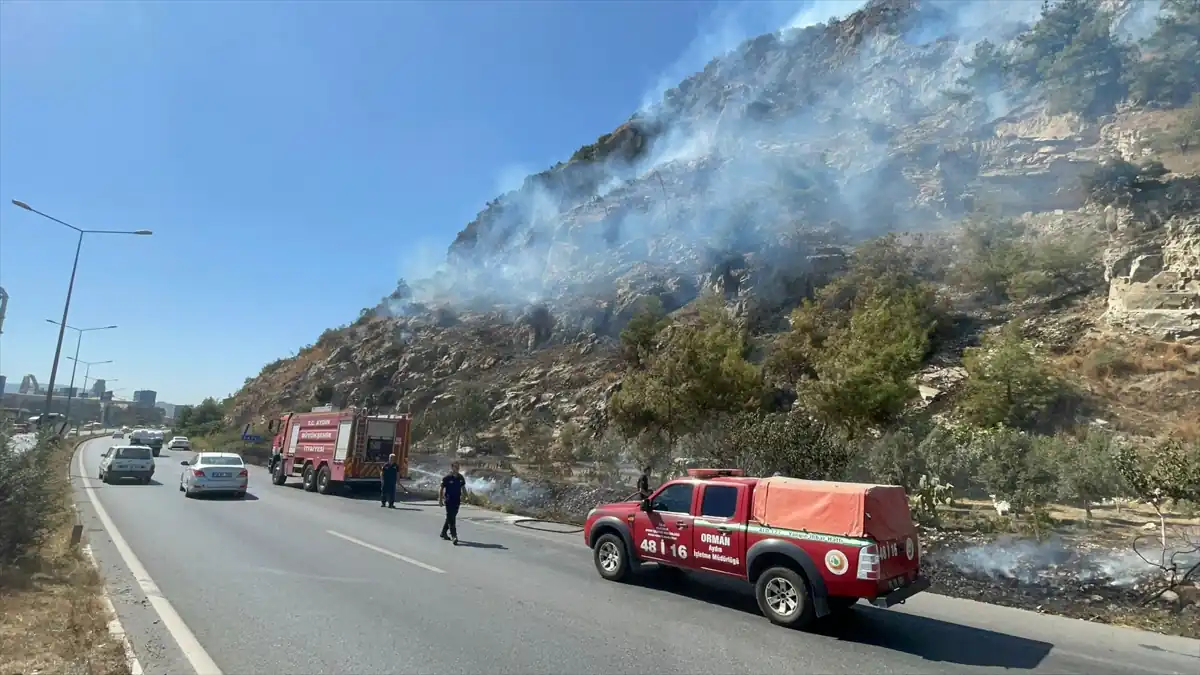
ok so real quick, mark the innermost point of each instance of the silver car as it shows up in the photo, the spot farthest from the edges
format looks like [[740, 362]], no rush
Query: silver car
[[214, 472]]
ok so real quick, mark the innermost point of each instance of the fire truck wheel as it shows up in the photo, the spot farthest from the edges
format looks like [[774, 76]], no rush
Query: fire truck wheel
[[279, 477], [324, 481], [611, 558], [310, 479], [784, 598]]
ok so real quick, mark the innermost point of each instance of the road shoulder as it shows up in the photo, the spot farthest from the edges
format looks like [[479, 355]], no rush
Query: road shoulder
[[53, 613], [156, 650]]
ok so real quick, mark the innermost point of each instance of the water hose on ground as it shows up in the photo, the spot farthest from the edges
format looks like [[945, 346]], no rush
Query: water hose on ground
[[525, 524]]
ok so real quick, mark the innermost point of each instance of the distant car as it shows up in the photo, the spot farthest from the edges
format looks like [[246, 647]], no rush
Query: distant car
[[127, 461], [179, 443], [214, 472], [118, 434], [124, 430]]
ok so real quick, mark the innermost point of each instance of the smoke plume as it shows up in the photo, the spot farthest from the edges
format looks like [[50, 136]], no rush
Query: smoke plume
[[816, 127]]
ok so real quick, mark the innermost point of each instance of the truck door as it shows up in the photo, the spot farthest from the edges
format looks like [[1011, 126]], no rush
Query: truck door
[[719, 539], [665, 533]]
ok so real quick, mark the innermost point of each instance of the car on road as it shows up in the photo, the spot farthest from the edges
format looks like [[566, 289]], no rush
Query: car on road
[[127, 461], [179, 443], [118, 434], [214, 472], [809, 548]]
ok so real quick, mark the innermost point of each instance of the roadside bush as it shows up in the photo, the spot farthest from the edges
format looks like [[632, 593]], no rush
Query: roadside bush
[[1014, 466], [30, 505], [1088, 469]]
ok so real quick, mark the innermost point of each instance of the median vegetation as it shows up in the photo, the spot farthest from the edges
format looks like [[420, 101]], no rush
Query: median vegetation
[[52, 619]]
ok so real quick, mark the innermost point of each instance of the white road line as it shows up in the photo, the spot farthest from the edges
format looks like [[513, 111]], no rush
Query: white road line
[[115, 628], [386, 552], [199, 659]]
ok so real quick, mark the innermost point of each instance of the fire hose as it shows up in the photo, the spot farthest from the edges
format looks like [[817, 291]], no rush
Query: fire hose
[[527, 523]]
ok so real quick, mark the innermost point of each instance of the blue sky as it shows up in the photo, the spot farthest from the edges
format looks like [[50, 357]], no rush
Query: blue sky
[[293, 158]]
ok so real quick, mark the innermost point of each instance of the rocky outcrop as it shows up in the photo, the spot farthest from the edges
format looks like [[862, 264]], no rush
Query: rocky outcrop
[[1154, 278]]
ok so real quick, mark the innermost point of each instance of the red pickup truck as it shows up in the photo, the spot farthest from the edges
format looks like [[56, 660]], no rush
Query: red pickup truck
[[809, 548]]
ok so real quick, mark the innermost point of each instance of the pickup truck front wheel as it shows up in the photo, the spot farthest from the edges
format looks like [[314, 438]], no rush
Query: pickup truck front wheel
[[784, 598], [612, 560]]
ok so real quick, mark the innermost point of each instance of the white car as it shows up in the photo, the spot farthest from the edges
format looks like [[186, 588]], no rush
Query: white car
[[127, 461], [179, 443], [214, 472], [118, 434]]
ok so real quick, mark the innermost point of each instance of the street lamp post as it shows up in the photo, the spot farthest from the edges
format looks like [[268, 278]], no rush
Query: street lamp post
[[87, 371], [62, 326], [75, 359]]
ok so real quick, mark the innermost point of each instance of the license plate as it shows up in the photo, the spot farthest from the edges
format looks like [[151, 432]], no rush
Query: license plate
[[221, 474]]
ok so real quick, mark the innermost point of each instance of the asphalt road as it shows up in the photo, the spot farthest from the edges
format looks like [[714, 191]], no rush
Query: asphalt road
[[288, 581]]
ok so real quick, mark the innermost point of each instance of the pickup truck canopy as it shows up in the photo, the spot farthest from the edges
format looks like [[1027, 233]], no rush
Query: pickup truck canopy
[[842, 509]]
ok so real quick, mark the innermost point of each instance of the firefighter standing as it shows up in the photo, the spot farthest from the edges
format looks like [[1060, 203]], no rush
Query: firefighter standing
[[450, 496], [391, 474], [643, 484]]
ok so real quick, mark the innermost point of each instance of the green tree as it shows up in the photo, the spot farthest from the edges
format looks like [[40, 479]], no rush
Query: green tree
[[1014, 467], [701, 369], [1007, 383], [202, 420], [792, 444], [1088, 76], [864, 370], [1169, 74], [639, 336], [989, 68], [1088, 469]]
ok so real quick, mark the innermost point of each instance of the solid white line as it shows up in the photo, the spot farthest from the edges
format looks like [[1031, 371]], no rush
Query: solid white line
[[115, 628], [386, 552], [201, 662]]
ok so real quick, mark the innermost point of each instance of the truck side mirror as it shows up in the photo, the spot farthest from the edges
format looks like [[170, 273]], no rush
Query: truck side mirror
[[272, 426], [647, 506], [183, 463]]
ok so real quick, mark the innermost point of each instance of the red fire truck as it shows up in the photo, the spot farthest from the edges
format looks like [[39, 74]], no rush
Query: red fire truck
[[327, 448]]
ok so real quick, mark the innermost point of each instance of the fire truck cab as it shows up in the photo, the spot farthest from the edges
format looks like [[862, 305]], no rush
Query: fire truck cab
[[328, 448]]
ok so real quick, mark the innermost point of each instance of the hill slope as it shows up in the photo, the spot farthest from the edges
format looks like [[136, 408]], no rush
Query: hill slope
[[754, 180]]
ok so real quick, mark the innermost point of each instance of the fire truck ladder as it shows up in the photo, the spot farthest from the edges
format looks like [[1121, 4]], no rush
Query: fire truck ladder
[[360, 438]]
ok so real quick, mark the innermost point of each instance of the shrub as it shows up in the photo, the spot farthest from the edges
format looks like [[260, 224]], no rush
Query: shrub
[[30, 505]]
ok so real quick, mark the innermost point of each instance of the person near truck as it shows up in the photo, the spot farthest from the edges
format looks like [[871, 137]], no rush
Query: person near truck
[[450, 496], [643, 484], [391, 475]]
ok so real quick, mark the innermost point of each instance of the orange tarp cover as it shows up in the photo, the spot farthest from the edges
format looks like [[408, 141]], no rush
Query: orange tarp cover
[[842, 509]]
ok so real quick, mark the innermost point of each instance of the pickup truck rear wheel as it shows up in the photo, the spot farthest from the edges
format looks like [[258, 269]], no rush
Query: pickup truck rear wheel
[[611, 558], [784, 598]]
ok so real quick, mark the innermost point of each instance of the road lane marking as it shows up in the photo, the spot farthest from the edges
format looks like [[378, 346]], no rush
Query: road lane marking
[[115, 629], [199, 659], [386, 552]]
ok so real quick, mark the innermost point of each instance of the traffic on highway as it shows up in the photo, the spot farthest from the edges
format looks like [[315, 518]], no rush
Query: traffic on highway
[[332, 584]]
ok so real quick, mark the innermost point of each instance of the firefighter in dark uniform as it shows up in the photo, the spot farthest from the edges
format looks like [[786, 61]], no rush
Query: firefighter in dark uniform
[[391, 475], [643, 484], [450, 495]]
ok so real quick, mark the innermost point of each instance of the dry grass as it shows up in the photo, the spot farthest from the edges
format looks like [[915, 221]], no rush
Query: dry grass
[[52, 618], [1147, 386]]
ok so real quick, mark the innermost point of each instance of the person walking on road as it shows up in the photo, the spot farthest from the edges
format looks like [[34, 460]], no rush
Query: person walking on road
[[391, 474], [450, 496]]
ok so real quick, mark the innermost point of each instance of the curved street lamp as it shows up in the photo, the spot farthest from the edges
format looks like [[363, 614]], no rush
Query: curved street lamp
[[62, 325]]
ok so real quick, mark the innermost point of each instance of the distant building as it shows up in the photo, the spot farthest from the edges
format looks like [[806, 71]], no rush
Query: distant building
[[144, 398], [3, 381], [98, 388]]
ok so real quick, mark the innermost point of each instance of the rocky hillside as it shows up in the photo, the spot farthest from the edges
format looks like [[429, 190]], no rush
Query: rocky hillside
[[756, 178]]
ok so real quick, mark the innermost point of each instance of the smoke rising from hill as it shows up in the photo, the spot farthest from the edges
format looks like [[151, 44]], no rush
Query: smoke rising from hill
[[813, 126]]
